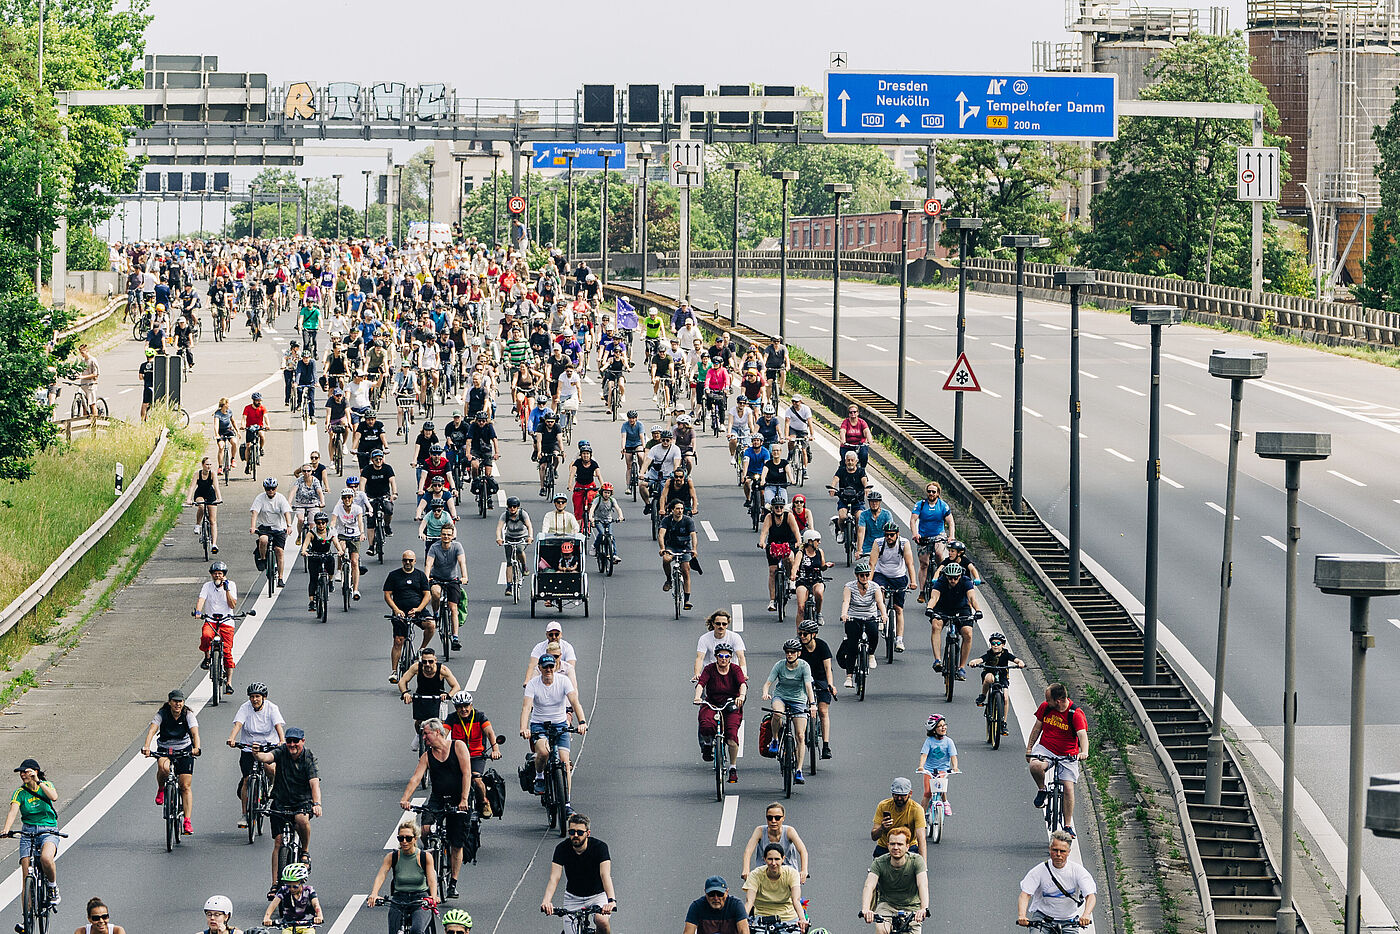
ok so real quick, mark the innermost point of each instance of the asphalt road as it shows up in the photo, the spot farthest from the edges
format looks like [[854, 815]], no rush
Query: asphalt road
[[639, 776], [1347, 501]]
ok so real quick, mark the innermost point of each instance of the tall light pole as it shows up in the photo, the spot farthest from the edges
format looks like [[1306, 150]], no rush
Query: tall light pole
[[527, 153], [367, 173], [569, 156], [1156, 317], [461, 159], [1236, 366], [736, 168], [643, 159], [495, 196], [785, 178], [689, 174], [966, 227], [1359, 577], [607, 155], [398, 205], [1074, 279], [306, 209], [430, 163], [337, 176], [1292, 447], [252, 212], [903, 207], [1021, 243], [836, 190]]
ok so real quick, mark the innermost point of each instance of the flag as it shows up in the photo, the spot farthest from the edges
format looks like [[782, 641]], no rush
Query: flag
[[626, 314]]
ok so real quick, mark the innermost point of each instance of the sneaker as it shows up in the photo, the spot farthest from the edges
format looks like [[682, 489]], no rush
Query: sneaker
[[797, 778], [962, 674], [539, 784], [281, 583], [213, 549], [921, 596], [707, 753], [733, 775], [452, 889], [311, 606], [688, 604], [1070, 830], [826, 750], [55, 898], [873, 664], [899, 643], [456, 644], [393, 677], [242, 823], [205, 664], [850, 683], [772, 606], [509, 590], [947, 809], [1040, 797], [981, 700], [228, 689], [667, 586], [773, 748], [160, 796], [354, 595], [189, 828], [938, 665], [1004, 731]]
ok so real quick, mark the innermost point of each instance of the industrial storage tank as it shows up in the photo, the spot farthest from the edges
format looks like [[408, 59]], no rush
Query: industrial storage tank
[[1128, 60], [1377, 73], [1280, 63]]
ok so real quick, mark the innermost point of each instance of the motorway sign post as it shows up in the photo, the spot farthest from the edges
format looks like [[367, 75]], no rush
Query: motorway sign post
[[971, 106], [688, 153]]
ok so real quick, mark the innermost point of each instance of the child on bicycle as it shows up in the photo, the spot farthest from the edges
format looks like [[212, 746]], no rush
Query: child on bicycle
[[939, 756], [294, 904], [996, 656]]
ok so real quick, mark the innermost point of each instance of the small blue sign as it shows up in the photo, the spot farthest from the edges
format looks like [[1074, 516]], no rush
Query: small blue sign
[[1038, 106], [547, 156]]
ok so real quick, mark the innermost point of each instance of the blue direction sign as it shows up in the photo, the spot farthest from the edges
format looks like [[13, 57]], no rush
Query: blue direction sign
[[1001, 106], [547, 156]]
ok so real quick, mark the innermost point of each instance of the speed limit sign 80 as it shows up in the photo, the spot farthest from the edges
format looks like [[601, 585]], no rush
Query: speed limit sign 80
[[516, 205]]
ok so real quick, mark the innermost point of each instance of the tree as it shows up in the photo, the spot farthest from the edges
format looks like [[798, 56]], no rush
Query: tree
[[1185, 170], [30, 364], [1382, 288]]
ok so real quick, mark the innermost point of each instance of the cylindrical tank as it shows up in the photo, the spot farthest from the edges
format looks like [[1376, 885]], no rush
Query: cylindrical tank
[[1377, 73], [1128, 60], [1280, 63]]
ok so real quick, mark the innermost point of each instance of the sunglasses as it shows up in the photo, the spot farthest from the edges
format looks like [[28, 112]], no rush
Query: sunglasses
[[406, 836], [723, 655], [409, 560], [775, 817], [578, 833], [96, 918]]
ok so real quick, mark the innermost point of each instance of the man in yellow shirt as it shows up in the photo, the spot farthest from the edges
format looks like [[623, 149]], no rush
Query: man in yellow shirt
[[776, 892], [899, 810]]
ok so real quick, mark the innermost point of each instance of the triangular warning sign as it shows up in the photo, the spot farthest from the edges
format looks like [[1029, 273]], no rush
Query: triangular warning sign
[[962, 379]]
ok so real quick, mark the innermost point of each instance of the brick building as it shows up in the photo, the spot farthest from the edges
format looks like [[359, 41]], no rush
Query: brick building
[[867, 233]]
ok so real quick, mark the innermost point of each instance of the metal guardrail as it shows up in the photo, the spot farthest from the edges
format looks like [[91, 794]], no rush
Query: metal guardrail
[[25, 603], [97, 317], [1231, 867]]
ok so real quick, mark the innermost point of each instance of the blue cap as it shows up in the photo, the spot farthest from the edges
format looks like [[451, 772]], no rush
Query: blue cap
[[549, 660], [716, 884], [295, 732]]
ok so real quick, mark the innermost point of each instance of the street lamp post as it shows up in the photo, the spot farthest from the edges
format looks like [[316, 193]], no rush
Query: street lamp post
[[965, 226], [398, 206], [1236, 366], [495, 196], [1021, 243], [527, 153], [643, 158], [836, 190], [1155, 317], [607, 155], [306, 207], [903, 207], [252, 211], [785, 178], [569, 155], [1074, 279], [688, 174], [736, 168], [1292, 447], [1359, 577], [430, 163], [366, 173], [337, 176]]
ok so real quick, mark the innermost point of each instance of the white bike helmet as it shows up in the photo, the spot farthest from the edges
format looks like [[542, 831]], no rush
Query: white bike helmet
[[219, 903], [811, 535]]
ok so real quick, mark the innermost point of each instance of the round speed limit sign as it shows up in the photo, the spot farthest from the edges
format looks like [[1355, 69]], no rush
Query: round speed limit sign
[[933, 207], [516, 205]]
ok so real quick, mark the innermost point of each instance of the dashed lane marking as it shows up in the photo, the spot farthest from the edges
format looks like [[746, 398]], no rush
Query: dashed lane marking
[[1031, 412], [727, 819], [727, 571], [1177, 408], [1220, 509], [709, 530], [1275, 542], [493, 619], [818, 327], [1172, 483], [1128, 344], [393, 842], [1341, 476], [1053, 327], [1094, 337], [1120, 455], [1003, 347], [1131, 390], [347, 914], [474, 679], [878, 347], [736, 614], [501, 574], [994, 395], [1086, 373]]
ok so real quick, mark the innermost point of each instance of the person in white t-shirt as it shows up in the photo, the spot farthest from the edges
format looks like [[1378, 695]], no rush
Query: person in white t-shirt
[[260, 723], [1057, 889], [271, 515], [566, 657], [718, 629], [217, 598], [548, 698], [348, 518]]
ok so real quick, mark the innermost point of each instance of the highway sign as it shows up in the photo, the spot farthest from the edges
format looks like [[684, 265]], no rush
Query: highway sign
[[1004, 106], [962, 379], [1257, 173], [933, 207], [687, 152], [838, 59], [547, 156], [516, 205]]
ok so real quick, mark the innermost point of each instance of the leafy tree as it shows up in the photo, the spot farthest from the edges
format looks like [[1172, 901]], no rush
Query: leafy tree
[[1382, 288], [29, 364]]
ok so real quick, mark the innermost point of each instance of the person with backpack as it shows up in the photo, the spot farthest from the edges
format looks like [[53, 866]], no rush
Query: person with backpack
[[1062, 731], [412, 882], [1057, 889], [473, 727]]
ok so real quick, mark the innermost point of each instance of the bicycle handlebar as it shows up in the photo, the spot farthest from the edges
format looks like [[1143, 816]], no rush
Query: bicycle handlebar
[[33, 833], [953, 617], [216, 502], [220, 617]]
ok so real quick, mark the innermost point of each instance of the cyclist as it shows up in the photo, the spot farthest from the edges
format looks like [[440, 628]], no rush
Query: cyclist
[[446, 567], [424, 442], [777, 537], [774, 829], [685, 440], [901, 812], [405, 395], [681, 487], [548, 698], [933, 525], [817, 654], [938, 756], [807, 573], [755, 457], [751, 385], [605, 510], [556, 645], [954, 591], [218, 913], [661, 462], [381, 488], [205, 494], [892, 559], [338, 416], [99, 919], [654, 326], [855, 435], [740, 426], [1061, 730], [789, 685], [583, 480], [271, 517], [548, 447], [369, 437], [174, 729], [897, 881], [431, 682], [770, 429], [560, 521], [308, 497], [586, 866], [447, 763], [296, 786], [33, 803], [295, 905], [218, 597], [514, 531], [872, 522], [413, 893], [320, 548], [862, 608], [797, 421], [997, 654], [258, 722], [720, 682], [614, 370], [473, 727], [305, 377], [456, 921], [677, 540], [776, 364], [254, 426], [309, 320], [349, 517], [1057, 889], [717, 630], [407, 592], [716, 912], [848, 486], [776, 890], [226, 431]]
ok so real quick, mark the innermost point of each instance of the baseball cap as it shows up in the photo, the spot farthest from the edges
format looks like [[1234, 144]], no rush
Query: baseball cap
[[716, 884], [549, 660], [553, 626], [29, 764], [176, 694]]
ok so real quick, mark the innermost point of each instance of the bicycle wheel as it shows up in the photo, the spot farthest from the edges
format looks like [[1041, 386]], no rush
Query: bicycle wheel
[[444, 624], [442, 860], [34, 904], [780, 592], [561, 798], [216, 675], [610, 550], [518, 577], [998, 717], [204, 536], [936, 817], [409, 655], [252, 796], [788, 756], [172, 816], [345, 587], [950, 665], [601, 555], [271, 572], [849, 543], [676, 583], [889, 635], [721, 752], [182, 418], [862, 670], [989, 715], [813, 740]]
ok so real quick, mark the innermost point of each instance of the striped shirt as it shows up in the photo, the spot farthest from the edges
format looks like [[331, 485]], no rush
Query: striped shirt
[[517, 351]]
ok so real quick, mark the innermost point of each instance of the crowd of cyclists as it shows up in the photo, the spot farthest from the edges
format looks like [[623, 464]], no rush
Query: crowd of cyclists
[[453, 351]]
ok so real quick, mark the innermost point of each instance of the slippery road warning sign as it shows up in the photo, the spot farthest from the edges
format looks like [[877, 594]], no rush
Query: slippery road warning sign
[[962, 379]]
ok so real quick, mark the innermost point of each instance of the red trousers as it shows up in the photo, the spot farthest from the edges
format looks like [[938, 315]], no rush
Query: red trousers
[[226, 631]]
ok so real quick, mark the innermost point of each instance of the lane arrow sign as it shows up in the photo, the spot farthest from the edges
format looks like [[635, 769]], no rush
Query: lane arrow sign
[[902, 120], [843, 97], [965, 113]]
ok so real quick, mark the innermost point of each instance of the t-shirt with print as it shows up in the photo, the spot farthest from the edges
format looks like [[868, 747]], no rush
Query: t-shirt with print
[[1059, 731], [938, 753]]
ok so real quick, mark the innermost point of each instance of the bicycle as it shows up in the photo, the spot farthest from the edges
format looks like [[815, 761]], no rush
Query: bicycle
[[290, 850], [377, 507], [218, 677], [889, 628], [613, 398], [720, 747], [301, 403], [862, 669], [346, 591], [140, 325], [994, 708], [772, 924], [434, 841], [445, 612], [802, 455], [634, 473], [787, 746], [409, 655], [37, 901], [252, 454], [173, 806], [551, 475], [936, 813], [677, 579], [581, 918], [1052, 926], [337, 449], [1054, 806], [756, 504], [846, 529], [782, 590], [901, 922], [555, 799], [206, 526], [952, 645], [81, 407], [809, 607], [567, 430], [480, 482], [322, 596], [606, 549], [717, 405], [517, 567], [257, 788]]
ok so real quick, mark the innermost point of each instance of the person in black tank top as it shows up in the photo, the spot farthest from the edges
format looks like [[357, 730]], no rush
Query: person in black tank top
[[206, 492], [430, 677], [448, 763]]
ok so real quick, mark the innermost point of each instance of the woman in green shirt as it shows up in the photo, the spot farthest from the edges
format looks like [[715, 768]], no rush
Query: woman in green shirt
[[33, 804], [412, 879]]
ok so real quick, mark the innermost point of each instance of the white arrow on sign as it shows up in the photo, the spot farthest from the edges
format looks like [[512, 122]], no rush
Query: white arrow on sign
[[843, 97], [902, 120], [965, 112]]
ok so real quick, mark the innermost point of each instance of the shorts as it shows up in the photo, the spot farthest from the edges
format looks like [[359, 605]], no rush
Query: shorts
[[822, 690], [514, 548], [888, 910], [797, 708], [402, 627], [456, 823], [777, 552], [1064, 771], [277, 538], [184, 764], [894, 587], [27, 845], [709, 723], [351, 543], [928, 543], [279, 822], [451, 590], [571, 902], [562, 740]]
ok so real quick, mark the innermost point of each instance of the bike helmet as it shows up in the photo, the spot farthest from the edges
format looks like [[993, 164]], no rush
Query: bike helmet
[[605, 488], [296, 872], [270, 483], [584, 446], [863, 566], [513, 502], [541, 400], [438, 505], [684, 419], [934, 720], [809, 625], [462, 699], [219, 903], [811, 535], [338, 391], [257, 687], [485, 416], [724, 647], [891, 525], [457, 917], [631, 413], [371, 413], [875, 495], [347, 494], [769, 410], [352, 480], [257, 397], [956, 545], [995, 638], [952, 570], [779, 500], [666, 434], [150, 353], [792, 645], [218, 566], [321, 517], [436, 448], [548, 416]]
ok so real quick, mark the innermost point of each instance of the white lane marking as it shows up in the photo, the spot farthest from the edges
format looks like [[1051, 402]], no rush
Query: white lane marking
[[934, 327], [125, 391], [878, 347], [1172, 483], [1088, 374], [1031, 412], [736, 616], [493, 619], [818, 327], [741, 734], [709, 530], [727, 571], [1393, 622], [1131, 390], [1065, 429], [1120, 455], [474, 679], [1129, 345], [1243, 434], [847, 337], [1177, 408], [1094, 337], [274, 378], [972, 337], [501, 575], [727, 818], [1008, 317], [1053, 327], [1220, 509], [347, 914], [393, 842], [1341, 476], [1036, 356], [994, 395], [1003, 347], [310, 438], [1275, 542]]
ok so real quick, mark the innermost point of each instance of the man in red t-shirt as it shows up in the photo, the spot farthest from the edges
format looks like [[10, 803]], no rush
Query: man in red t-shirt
[[255, 414], [1061, 730], [474, 728]]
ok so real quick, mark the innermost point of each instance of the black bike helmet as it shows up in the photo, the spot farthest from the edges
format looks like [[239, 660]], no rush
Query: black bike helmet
[[809, 625], [792, 645], [257, 687], [956, 545], [428, 426], [513, 502]]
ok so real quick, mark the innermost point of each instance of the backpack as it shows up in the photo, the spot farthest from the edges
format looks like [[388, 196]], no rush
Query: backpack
[[496, 791], [526, 774]]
